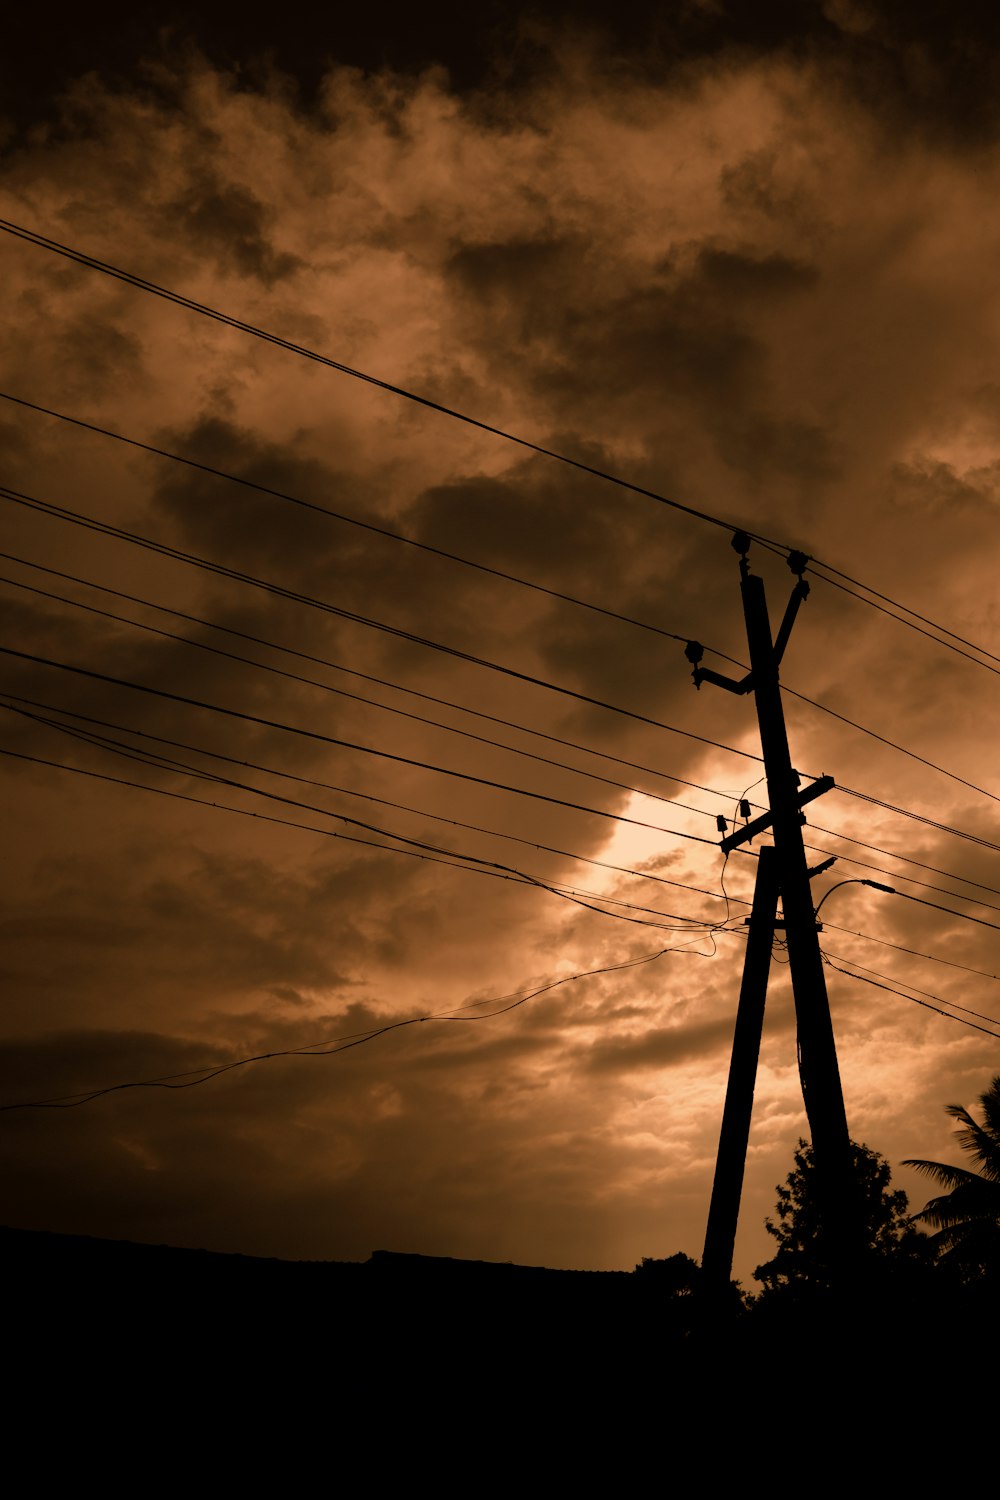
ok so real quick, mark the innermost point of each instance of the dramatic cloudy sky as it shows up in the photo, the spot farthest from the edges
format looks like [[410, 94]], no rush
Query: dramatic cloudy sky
[[753, 270]]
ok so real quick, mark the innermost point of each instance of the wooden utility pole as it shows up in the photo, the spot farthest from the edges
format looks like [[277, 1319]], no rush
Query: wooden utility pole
[[818, 1069], [727, 1188]]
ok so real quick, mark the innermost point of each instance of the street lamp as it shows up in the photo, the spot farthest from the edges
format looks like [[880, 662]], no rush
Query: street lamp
[[876, 885]]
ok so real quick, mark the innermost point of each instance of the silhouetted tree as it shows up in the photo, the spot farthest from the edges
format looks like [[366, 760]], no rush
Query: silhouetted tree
[[675, 1276], [967, 1218], [807, 1254]]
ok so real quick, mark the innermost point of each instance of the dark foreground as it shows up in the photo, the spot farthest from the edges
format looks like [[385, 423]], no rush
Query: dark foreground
[[122, 1354]]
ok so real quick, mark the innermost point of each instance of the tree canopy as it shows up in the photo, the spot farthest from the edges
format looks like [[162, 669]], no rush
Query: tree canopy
[[807, 1245]]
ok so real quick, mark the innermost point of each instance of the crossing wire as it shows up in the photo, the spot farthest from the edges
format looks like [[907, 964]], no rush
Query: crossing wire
[[279, 591], [333, 1046], [47, 708], [258, 640], [314, 734], [140, 283], [359, 698], [383, 531], [891, 989], [325, 661], [469, 563], [271, 771], [416, 848]]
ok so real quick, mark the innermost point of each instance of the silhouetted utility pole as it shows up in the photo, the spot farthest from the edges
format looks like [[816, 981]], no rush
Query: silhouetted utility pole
[[818, 1070], [727, 1189]]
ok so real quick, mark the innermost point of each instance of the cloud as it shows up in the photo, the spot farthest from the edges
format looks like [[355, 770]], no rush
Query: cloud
[[735, 281]]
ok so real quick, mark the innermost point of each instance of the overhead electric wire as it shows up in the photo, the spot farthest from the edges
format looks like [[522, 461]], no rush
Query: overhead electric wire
[[934, 958], [963, 915], [390, 534], [454, 863], [965, 1009], [891, 989], [315, 734], [404, 807], [557, 888], [926, 885], [358, 698], [351, 792], [296, 677], [176, 554], [890, 854], [140, 283], [332, 1046], [976, 660], [335, 666], [893, 745], [336, 515], [278, 590]]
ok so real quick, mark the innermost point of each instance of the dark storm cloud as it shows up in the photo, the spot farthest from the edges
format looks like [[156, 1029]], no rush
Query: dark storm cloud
[[229, 224], [699, 276], [930, 487], [659, 1047], [520, 285], [732, 274], [240, 525], [517, 521], [752, 185], [691, 333], [96, 355], [207, 936], [925, 66]]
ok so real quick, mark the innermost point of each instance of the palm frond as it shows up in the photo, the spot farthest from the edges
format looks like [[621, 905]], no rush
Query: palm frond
[[946, 1175]]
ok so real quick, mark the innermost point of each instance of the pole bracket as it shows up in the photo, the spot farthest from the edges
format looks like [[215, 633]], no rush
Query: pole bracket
[[750, 830]]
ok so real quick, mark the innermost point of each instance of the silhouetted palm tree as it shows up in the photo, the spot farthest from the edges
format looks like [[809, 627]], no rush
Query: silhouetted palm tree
[[967, 1218]]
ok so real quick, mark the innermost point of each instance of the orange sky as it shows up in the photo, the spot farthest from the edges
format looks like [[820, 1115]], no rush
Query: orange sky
[[738, 283]]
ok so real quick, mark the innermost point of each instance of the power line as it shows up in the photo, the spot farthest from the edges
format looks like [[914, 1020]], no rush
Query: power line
[[892, 854], [349, 792], [467, 863], [934, 958], [296, 677], [964, 915], [175, 554], [468, 562], [893, 745], [399, 806], [332, 1046], [336, 515], [356, 697], [891, 989], [908, 623], [515, 750], [926, 885], [315, 734], [995, 1021], [517, 878], [325, 661], [160, 762], [140, 283], [103, 528], [915, 817], [507, 723]]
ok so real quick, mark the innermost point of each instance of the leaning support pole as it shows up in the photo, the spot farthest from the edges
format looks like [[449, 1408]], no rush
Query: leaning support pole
[[727, 1189], [821, 1087]]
